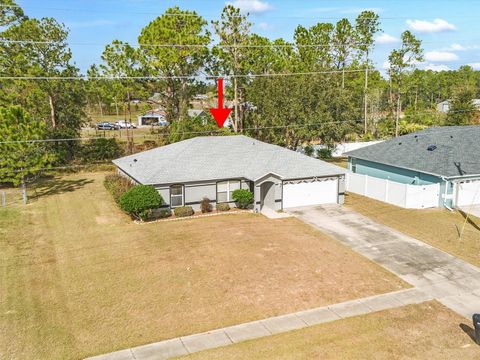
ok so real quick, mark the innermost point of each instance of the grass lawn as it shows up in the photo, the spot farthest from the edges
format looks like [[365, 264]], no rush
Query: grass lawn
[[437, 227], [424, 331], [79, 278]]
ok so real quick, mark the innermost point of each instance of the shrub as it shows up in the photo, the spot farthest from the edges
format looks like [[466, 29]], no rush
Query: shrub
[[183, 211], [205, 205], [243, 198], [100, 149], [223, 207], [309, 150], [117, 185], [164, 213], [324, 153], [140, 200]]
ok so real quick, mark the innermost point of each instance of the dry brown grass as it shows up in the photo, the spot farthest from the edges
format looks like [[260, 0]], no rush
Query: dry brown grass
[[79, 278], [437, 227], [424, 331]]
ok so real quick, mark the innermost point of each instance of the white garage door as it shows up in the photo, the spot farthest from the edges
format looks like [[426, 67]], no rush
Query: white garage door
[[310, 193], [468, 193]]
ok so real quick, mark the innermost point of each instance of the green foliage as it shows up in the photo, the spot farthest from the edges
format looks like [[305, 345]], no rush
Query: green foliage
[[205, 205], [188, 128], [324, 153], [183, 211], [164, 213], [462, 110], [176, 26], [223, 207], [309, 150], [243, 198], [100, 150], [21, 159], [117, 185], [140, 200]]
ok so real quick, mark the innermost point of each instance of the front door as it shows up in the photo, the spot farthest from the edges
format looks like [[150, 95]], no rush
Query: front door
[[268, 195]]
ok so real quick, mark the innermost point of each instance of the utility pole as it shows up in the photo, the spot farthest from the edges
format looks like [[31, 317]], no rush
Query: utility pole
[[366, 96], [397, 114]]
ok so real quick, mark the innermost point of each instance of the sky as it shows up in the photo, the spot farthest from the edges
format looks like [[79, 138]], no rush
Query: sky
[[449, 29]]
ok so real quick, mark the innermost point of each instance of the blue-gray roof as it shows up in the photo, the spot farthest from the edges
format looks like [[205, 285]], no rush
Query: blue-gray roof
[[456, 152], [221, 157]]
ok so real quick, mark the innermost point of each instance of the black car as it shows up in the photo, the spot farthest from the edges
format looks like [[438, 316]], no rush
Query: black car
[[106, 126]]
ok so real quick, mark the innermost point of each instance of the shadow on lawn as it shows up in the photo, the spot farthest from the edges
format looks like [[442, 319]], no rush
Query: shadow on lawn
[[469, 219], [58, 185], [469, 331]]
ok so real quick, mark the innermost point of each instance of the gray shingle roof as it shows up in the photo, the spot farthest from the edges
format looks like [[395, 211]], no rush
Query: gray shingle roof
[[220, 157], [457, 151]]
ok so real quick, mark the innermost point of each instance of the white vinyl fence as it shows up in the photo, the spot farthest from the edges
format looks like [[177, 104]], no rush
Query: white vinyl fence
[[403, 195]]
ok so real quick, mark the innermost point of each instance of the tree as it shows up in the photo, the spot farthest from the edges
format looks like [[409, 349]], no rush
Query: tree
[[233, 31], [344, 43], [20, 158], [462, 110], [10, 13], [401, 60], [179, 64], [367, 25]]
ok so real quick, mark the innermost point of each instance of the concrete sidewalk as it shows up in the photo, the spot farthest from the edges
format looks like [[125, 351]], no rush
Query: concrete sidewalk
[[452, 281], [256, 329]]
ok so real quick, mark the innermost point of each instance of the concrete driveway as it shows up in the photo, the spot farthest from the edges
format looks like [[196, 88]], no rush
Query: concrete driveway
[[452, 281]]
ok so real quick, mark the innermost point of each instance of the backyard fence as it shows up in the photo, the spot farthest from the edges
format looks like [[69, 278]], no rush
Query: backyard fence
[[10, 197], [403, 195]]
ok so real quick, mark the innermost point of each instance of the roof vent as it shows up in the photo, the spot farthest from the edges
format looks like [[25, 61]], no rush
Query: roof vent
[[399, 143], [432, 147], [135, 160]]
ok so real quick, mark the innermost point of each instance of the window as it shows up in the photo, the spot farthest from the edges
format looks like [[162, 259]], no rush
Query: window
[[225, 190], [176, 196]]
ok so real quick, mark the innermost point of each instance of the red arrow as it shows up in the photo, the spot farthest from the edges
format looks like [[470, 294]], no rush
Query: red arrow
[[220, 114]]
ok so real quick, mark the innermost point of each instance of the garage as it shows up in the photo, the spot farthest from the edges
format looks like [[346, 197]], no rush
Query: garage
[[468, 193], [310, 192]]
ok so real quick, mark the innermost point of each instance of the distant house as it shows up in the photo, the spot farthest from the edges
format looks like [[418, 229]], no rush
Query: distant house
[[153, 117], [444, 106], [448, 156]]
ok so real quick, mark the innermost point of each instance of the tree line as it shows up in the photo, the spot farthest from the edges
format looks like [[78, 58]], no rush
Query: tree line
[[320, 87]]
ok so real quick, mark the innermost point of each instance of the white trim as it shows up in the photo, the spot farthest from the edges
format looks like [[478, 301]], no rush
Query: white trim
[[268, 173]]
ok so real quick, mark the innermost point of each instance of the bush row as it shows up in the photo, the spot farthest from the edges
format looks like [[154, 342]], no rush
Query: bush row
[[117, 185]]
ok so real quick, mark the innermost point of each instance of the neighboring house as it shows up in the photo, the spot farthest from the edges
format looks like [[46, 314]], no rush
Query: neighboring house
[[153, 117], [187, 171], [448, 156], [444, 106]]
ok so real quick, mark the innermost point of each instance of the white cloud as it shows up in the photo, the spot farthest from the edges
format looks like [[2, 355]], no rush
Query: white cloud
[[263, 26], [437, 25], [252, 6], [459, 47], [386, 65], [440, 56], [475, 66], [437, 67], [387, 39]]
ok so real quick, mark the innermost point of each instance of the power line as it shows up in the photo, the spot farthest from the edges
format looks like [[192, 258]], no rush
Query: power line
[[179, 77], [179, 133], [194, 14], [122, 44]]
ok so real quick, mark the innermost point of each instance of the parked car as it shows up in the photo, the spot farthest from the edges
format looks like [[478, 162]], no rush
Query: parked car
[[105, 125], [122, 124]]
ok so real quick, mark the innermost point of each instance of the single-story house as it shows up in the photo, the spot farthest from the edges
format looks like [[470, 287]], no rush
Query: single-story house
[[214, 166], [448, 156], [444, 106]]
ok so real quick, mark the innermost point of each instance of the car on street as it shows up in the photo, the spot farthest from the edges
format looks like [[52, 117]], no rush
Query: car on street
[[122, 124], [105, 125]]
